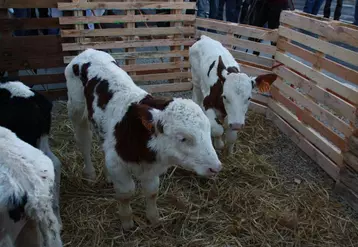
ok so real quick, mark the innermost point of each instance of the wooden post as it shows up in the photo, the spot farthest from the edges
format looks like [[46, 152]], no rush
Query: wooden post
[[130, 25], [176, 48]]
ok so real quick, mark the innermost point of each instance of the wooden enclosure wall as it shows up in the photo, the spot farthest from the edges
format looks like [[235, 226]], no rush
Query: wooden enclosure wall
[[315, 98], [37, 59], [151, 47], [235, 38]]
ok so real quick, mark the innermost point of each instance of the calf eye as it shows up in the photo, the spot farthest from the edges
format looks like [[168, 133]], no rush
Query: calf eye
[[224, 97], [249, 98], [183, 140]]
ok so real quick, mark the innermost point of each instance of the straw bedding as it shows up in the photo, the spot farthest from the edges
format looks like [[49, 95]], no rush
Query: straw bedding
[[268, 194]]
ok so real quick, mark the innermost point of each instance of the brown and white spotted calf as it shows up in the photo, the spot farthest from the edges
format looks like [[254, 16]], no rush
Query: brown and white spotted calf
[[141, 134], [221, 90]]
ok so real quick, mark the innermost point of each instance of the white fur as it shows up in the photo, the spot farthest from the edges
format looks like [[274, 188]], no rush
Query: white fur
[[237, 88], [17, 89], [25, 169], [182, 118]]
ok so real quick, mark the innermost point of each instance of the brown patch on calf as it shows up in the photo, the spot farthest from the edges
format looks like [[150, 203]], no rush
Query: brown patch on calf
[[76, 69], [214, 99], [84, 71], [132, 135], [220, 68], [89, 95], [104, 94], [136, 128]]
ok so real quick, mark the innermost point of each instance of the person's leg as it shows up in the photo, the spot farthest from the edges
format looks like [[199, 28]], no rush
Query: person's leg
[[232, 13], [338, 11], [327, 9], [220, 14], [356, 14], [203, 8], [260, 18], [244, 11], [317, 5], [214, 8], [308, 6]]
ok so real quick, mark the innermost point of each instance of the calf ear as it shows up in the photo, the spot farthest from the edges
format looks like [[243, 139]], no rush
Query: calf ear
[[221, 70], [263, 82], [146, 117]]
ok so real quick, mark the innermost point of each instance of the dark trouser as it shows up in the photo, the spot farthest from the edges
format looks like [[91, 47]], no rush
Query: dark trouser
[[337, 12], [232, 10], [312, 6], [356, 14], [24, 13], [245, 11], [267, 12]]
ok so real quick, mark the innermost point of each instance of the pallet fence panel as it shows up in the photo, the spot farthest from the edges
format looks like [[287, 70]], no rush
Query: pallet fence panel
[[236, 38], [316, 93], [34, 58], [139, 39]]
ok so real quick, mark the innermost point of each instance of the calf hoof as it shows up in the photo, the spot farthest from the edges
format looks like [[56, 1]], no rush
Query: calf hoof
[[153, 217], [127, 225], [89, 175]]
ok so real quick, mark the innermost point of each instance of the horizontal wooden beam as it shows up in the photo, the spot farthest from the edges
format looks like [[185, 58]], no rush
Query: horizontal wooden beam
[[327, 148], [125, 5], [120, 32], [239, 29], [318, 93], [315, 154], [246, 57], [320, 45], [117, 19], [11, 24], [321, 79], [126, 44], [30, 3], [331, 30], [161, 76]]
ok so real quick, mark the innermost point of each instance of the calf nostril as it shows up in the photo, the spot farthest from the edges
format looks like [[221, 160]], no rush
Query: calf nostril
[[212, 170]]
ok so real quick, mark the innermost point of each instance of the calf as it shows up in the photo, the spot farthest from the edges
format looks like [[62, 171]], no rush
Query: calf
[[26, 182], [28, 114], [141, 134], [221, 90]]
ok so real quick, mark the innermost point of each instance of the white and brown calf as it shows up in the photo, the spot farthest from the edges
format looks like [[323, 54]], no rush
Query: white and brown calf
[[27, 113], [27, 179], [141, 134], [221, 90]]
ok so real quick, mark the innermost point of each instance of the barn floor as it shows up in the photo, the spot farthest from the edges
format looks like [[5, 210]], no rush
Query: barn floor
[[268, 194]]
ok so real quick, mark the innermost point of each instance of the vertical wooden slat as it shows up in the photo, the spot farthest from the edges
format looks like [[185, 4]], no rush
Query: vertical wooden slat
[[130, 25], [175, 48]]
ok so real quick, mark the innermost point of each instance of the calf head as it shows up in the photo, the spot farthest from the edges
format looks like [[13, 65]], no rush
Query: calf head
[[180, 134], [236, 92]]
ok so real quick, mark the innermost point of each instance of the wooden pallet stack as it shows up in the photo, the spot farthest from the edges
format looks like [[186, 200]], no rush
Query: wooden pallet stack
[[315, 98], [167, 45]]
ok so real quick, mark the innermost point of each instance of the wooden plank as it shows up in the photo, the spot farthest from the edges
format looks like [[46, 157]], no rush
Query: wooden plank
[[253, 71], [316, 92], [321, 79], [154, 66], [306, 117], [42, 79], [333, 31], [258, 108], [176, 25], [259, 98], [353, 145], [239, 29], [117, 19], [10, 24], [126, 5], [40, 62], [349, 177], [111, 32], [351, 160], [243, 56], [320, 45], [161, 76], [324, 63], [247, 44], [315, 154], [327, 148], [135, 55], [169, 87], [125, 44], [317, 110], [130, 26], [30, 3]]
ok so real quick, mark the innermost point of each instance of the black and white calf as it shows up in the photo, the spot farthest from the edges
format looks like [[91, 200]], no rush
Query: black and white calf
[[142, 135], [26, 182], [28, 114]]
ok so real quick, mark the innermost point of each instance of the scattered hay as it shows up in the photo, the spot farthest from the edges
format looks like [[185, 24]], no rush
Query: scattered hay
[[251, 202]]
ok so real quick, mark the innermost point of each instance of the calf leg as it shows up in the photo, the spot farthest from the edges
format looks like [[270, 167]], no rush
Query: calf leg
[[124, 186], [83, 136], [151, 189], [230, 137], [217, 130], [45, 147]]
